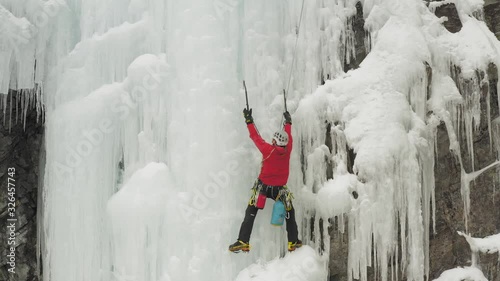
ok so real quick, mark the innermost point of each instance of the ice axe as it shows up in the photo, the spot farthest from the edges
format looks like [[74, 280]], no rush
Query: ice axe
[[284, 99], [246, 93]]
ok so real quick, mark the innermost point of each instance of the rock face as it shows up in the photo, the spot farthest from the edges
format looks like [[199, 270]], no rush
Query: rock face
[[357, 25], [447, 248], [20, 149], [492, 16], [453, 24]]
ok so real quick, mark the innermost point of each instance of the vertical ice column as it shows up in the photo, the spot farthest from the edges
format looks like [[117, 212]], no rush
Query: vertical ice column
[[136, 222], [101, 59], [83, 150], [144, 112], [205, 133]]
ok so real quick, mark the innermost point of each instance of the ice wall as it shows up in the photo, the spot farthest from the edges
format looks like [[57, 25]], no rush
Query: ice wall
[[76, 189], [136, 219], [34, 35], [388, 111], [159, 81], [130, 84], [467, 64], [394, 158]]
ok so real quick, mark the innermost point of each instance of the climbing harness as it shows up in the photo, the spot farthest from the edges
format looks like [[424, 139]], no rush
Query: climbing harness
[[255, 189], [286, 197]]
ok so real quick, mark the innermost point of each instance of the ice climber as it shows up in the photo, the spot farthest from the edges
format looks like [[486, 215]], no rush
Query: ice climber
[[271, 182]]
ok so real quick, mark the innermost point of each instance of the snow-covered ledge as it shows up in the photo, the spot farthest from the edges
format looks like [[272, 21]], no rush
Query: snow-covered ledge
[[487, 245], [462, 273]]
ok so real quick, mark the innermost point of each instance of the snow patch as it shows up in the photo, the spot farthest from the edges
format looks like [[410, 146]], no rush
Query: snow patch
[[376, 19], [462, 273], [334, 197], [487, 245], [304, 264]]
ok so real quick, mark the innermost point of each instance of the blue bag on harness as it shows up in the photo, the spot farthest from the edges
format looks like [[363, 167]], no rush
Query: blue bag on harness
[[279, 213]]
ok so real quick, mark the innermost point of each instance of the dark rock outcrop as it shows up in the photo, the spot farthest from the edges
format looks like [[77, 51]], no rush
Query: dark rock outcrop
[[447, 248], [357, 24], [492, 16], [453, 24], [20, 149]]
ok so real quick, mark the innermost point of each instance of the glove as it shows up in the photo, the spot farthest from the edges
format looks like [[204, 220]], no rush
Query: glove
[[247, 113], [288, 118]]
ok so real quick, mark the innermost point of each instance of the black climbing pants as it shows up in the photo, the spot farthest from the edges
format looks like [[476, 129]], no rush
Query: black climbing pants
[[247, 225]]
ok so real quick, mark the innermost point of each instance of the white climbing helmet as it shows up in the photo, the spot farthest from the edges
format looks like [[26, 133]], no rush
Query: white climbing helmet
[[281, 138]]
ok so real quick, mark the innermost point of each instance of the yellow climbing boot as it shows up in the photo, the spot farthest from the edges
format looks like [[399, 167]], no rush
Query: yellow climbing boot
[[239, 246], [294, 245]]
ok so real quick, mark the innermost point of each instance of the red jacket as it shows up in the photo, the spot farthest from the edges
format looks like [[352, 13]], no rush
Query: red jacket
[[275, 159]]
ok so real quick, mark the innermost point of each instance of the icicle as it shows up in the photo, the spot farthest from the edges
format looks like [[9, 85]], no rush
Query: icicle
[[496, 142], [417, 96], [428, 190], [316, 170], [18, 99], [470, 112], [498, 90], [349, 41], [3, 106], [466, 179], [10, 111], [368, 41], [488, 115]]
